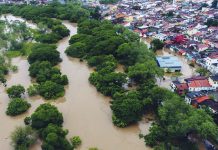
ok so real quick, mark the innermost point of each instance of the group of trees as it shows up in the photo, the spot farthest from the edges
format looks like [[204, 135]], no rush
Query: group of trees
[[44, 14], [3, 69], [103, 46], [13, 34], [51, 82], [23, 137], [17, 105], [108, 1], [45, 123], [177, 122]]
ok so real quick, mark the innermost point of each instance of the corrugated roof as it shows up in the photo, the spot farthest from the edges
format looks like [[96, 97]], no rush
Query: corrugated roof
[[199, 83], [168, 62]]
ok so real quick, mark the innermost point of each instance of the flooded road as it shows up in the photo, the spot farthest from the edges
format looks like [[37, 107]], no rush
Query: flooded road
[[86, 112]]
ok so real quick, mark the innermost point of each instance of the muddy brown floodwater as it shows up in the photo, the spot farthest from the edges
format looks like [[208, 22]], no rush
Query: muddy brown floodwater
[[86, 112]]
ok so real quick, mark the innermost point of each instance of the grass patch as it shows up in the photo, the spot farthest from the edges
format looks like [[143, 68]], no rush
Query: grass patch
[[12, 54]]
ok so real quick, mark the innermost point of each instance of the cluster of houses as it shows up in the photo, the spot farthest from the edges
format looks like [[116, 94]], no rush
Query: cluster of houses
[[27, 1], [181, 25], [196, 91]]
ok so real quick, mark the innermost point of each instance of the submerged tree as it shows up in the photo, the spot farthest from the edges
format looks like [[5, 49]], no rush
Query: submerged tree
[[17, 106], [15, 91], [23, 137]]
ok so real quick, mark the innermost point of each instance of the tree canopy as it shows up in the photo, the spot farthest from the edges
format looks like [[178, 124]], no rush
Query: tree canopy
[[157, 44], [51, 90], [54, 137], [23, 138], [15, 91], [17, 106], [44, 52], [44, 115]]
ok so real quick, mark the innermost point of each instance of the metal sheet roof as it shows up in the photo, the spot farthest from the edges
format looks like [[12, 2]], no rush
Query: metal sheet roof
[[168, 62]]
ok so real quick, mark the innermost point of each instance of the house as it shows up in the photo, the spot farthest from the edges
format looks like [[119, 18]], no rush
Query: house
[[192, 96], [212, 59], [202, 47], [213, 68], [201, 99], [211, 104], [178, 87], [169, 63], [161, 36], [199, 84], [213, 80]]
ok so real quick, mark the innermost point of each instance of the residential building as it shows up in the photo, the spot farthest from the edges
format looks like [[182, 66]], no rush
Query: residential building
[[199, 84], [213, 80]]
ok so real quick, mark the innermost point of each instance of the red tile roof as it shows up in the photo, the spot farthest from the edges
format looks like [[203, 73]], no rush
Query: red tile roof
[[202, 98], [199, 83]]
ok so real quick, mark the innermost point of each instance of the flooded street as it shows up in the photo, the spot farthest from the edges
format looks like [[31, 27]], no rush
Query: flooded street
[[86, 112]]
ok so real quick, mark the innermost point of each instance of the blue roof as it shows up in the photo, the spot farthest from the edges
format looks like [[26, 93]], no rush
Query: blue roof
[[168, 62]]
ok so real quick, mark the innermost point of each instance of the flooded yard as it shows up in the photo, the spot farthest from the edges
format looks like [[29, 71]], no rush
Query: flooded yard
[[186, 71]]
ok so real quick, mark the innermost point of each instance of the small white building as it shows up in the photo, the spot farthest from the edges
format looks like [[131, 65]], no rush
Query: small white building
[[213, 80], [213, 59], [161, 36]]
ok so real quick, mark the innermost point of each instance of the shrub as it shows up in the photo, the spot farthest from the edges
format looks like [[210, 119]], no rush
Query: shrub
[[17, 106], [15, 91], [76, 50], [51, 90], [23, 137], [76, 141], [27, 120], [44, 115], [32, 90]]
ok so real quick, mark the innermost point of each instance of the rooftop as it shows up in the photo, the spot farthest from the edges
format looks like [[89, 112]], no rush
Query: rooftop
[[168, 62], [214, 78], [202, 98], [199, 83]]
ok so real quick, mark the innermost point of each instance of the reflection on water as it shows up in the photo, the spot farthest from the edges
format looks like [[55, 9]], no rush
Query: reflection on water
[[86, 112]]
